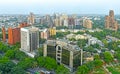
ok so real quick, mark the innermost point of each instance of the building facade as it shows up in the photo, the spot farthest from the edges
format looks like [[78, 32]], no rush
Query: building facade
[[44, 34], [110, 22], [29, 39], [87, 23], [65, 53], [13, 35], [52, 31], [31, 19]]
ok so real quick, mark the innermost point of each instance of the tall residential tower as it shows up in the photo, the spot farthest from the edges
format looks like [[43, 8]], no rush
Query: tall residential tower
[[29, 40], [110, 22]]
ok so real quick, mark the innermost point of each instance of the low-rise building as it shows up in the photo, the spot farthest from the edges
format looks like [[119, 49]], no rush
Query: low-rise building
[[110, 38], [77, 37], [52, 31], [44, 34], [93, 40]]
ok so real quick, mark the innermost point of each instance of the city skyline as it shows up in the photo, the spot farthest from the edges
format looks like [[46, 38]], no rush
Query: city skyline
[[62, 6]]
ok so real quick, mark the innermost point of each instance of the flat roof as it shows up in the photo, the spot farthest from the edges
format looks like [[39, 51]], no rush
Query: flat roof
[[69, 46]]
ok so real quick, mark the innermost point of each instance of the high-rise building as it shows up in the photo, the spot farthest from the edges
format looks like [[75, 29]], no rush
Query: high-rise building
[[31, 19], [49, 21], [64, 52], [52, 31], [71, 22], [110, 22], [13, 35], [29, 40], [3, 34], [56, 22], [77, 23], [87, 23]]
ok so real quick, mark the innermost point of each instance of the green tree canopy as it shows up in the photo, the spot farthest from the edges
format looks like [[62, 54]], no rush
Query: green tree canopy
[[98, 63], [62, 70], [47, 62], [108, 57], [82, 70]]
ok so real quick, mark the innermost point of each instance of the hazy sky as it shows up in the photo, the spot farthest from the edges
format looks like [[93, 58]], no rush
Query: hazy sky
[[62, 6]]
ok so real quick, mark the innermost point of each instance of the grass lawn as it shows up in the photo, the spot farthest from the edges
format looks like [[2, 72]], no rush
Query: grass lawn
[[114, 70], [99, 71]]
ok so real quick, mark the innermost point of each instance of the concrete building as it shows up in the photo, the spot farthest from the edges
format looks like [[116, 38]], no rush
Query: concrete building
[[56, 22], [110, 22], [66, 53], [70, 36], [71, 22], [63, 20], [49, 21], [13, 35], [87, 23], [93, 40], [84, 36], [44, 34], [76, 37], [31, 19], [52, 31], [3, 34], [29, 40], [111, 39], [77, 24]]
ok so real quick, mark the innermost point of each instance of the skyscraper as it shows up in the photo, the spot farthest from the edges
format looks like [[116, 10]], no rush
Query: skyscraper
[[110, 22], [31, 19], [29, 39]]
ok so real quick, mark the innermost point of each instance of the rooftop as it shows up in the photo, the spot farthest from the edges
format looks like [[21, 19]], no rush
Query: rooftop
[[65, 44], [31, 28]]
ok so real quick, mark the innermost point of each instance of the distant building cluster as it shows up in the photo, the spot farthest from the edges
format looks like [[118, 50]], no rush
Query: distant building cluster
[[62, 20], [31, 36], [110, 22]]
